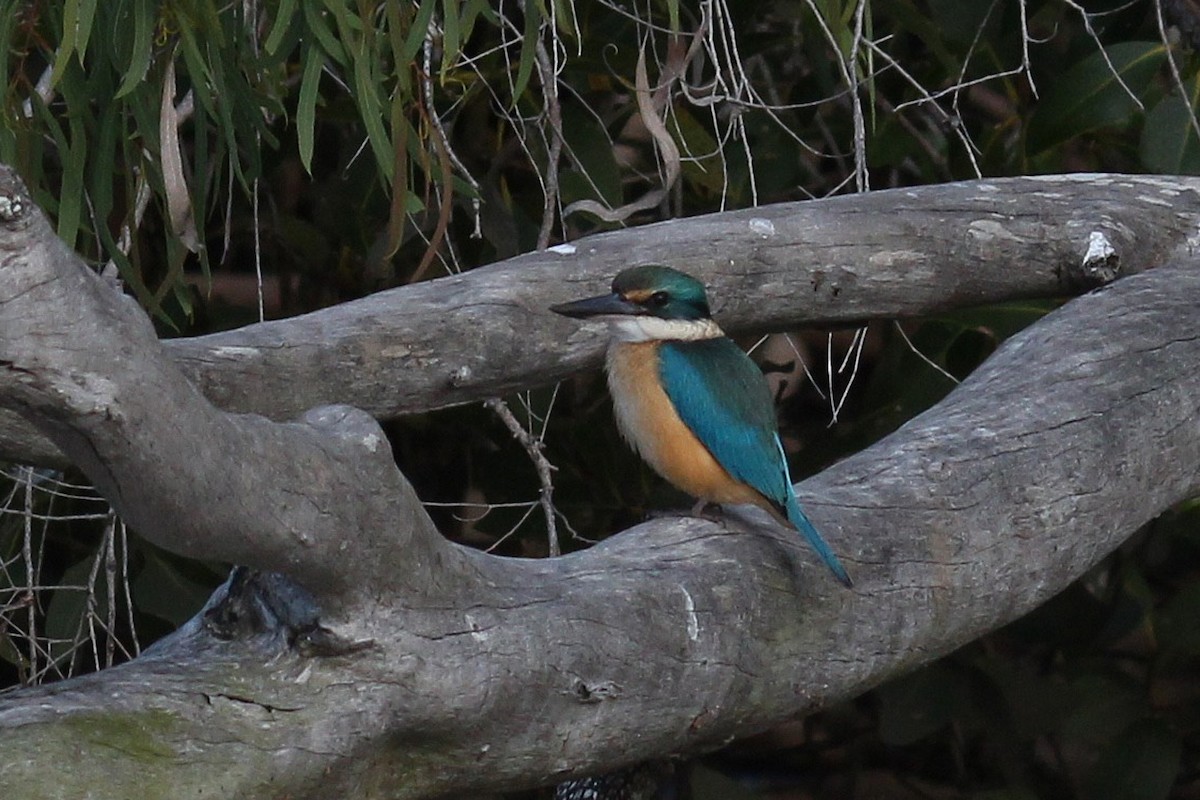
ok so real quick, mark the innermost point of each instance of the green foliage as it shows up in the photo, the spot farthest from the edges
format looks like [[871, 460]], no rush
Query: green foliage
[[1101, 91], [431, 118], [1169, 142], [89, 136]]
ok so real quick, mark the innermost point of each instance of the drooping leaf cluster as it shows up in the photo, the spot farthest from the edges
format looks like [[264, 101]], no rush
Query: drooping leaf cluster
[[352, 145]]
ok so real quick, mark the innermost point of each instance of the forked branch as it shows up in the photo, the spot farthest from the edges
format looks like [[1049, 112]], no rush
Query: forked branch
[[489, 672]]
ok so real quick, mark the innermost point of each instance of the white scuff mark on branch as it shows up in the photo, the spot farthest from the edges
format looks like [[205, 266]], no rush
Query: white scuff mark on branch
[[689, 607], [235, 351], [762, 226], [1101, 263], [1099, 249], [478, 633]]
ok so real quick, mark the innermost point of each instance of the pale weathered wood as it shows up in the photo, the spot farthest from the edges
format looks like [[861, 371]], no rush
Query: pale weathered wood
[[491, 672], [891, 253]]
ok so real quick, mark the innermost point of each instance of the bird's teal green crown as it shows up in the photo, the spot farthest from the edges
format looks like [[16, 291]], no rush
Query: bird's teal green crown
[[663, 292], [650, 290]]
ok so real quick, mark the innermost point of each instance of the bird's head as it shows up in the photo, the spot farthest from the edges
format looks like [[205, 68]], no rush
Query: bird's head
[[649, 302]]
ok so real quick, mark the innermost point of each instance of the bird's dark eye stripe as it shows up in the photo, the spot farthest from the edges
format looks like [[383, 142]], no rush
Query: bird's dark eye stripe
[[658, 299]]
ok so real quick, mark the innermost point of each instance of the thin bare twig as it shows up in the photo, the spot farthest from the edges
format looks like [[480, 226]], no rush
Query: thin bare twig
[[856, 349], [552, 112], [534, 448], [1116, 73], [1175, 75], [920, 355], [862, 178]]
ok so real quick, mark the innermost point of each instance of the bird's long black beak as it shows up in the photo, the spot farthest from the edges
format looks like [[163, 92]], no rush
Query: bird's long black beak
[[605, 304]]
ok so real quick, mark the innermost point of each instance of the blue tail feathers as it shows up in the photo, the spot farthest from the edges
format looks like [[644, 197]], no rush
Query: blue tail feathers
[[797, 517]]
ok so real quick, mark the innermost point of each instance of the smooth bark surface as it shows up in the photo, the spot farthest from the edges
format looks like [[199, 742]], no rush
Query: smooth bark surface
[[489, 672]]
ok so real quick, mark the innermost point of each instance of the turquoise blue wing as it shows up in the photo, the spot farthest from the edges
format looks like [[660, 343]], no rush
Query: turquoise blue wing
[[721, 395]]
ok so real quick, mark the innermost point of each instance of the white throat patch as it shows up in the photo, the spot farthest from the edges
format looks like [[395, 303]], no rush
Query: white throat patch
[[651, 329]]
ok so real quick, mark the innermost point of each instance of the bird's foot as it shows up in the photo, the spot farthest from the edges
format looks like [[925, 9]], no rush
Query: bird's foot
[[703, 509], [709, 511]]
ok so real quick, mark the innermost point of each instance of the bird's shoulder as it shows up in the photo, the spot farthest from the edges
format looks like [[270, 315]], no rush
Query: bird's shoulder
[[715, 377]]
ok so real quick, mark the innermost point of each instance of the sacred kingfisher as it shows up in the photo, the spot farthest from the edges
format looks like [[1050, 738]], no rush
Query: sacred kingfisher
[[690, 402]]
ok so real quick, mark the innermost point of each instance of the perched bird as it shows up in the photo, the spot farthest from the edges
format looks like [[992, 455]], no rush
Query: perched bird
[[691, 403]]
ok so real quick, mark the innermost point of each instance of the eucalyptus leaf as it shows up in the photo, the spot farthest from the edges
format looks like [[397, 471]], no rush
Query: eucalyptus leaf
[[1169, 143], [306, 107], [1093, 95], [419, 30], [533, 30], [284, 18], [143, 12]]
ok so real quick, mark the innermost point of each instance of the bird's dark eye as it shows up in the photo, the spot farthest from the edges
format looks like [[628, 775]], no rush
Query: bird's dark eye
[[658, 299]]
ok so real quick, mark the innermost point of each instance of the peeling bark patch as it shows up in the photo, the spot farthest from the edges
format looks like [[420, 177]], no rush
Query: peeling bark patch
[[894, 258], [396, 351], [91, 394], [563, 249], [12, 207], [595, 692], [990, 230], [478, 633]]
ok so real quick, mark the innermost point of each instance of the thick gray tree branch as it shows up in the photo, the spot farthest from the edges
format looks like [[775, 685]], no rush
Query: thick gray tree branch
[[81, 363], [892, 253], [484, 671]]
